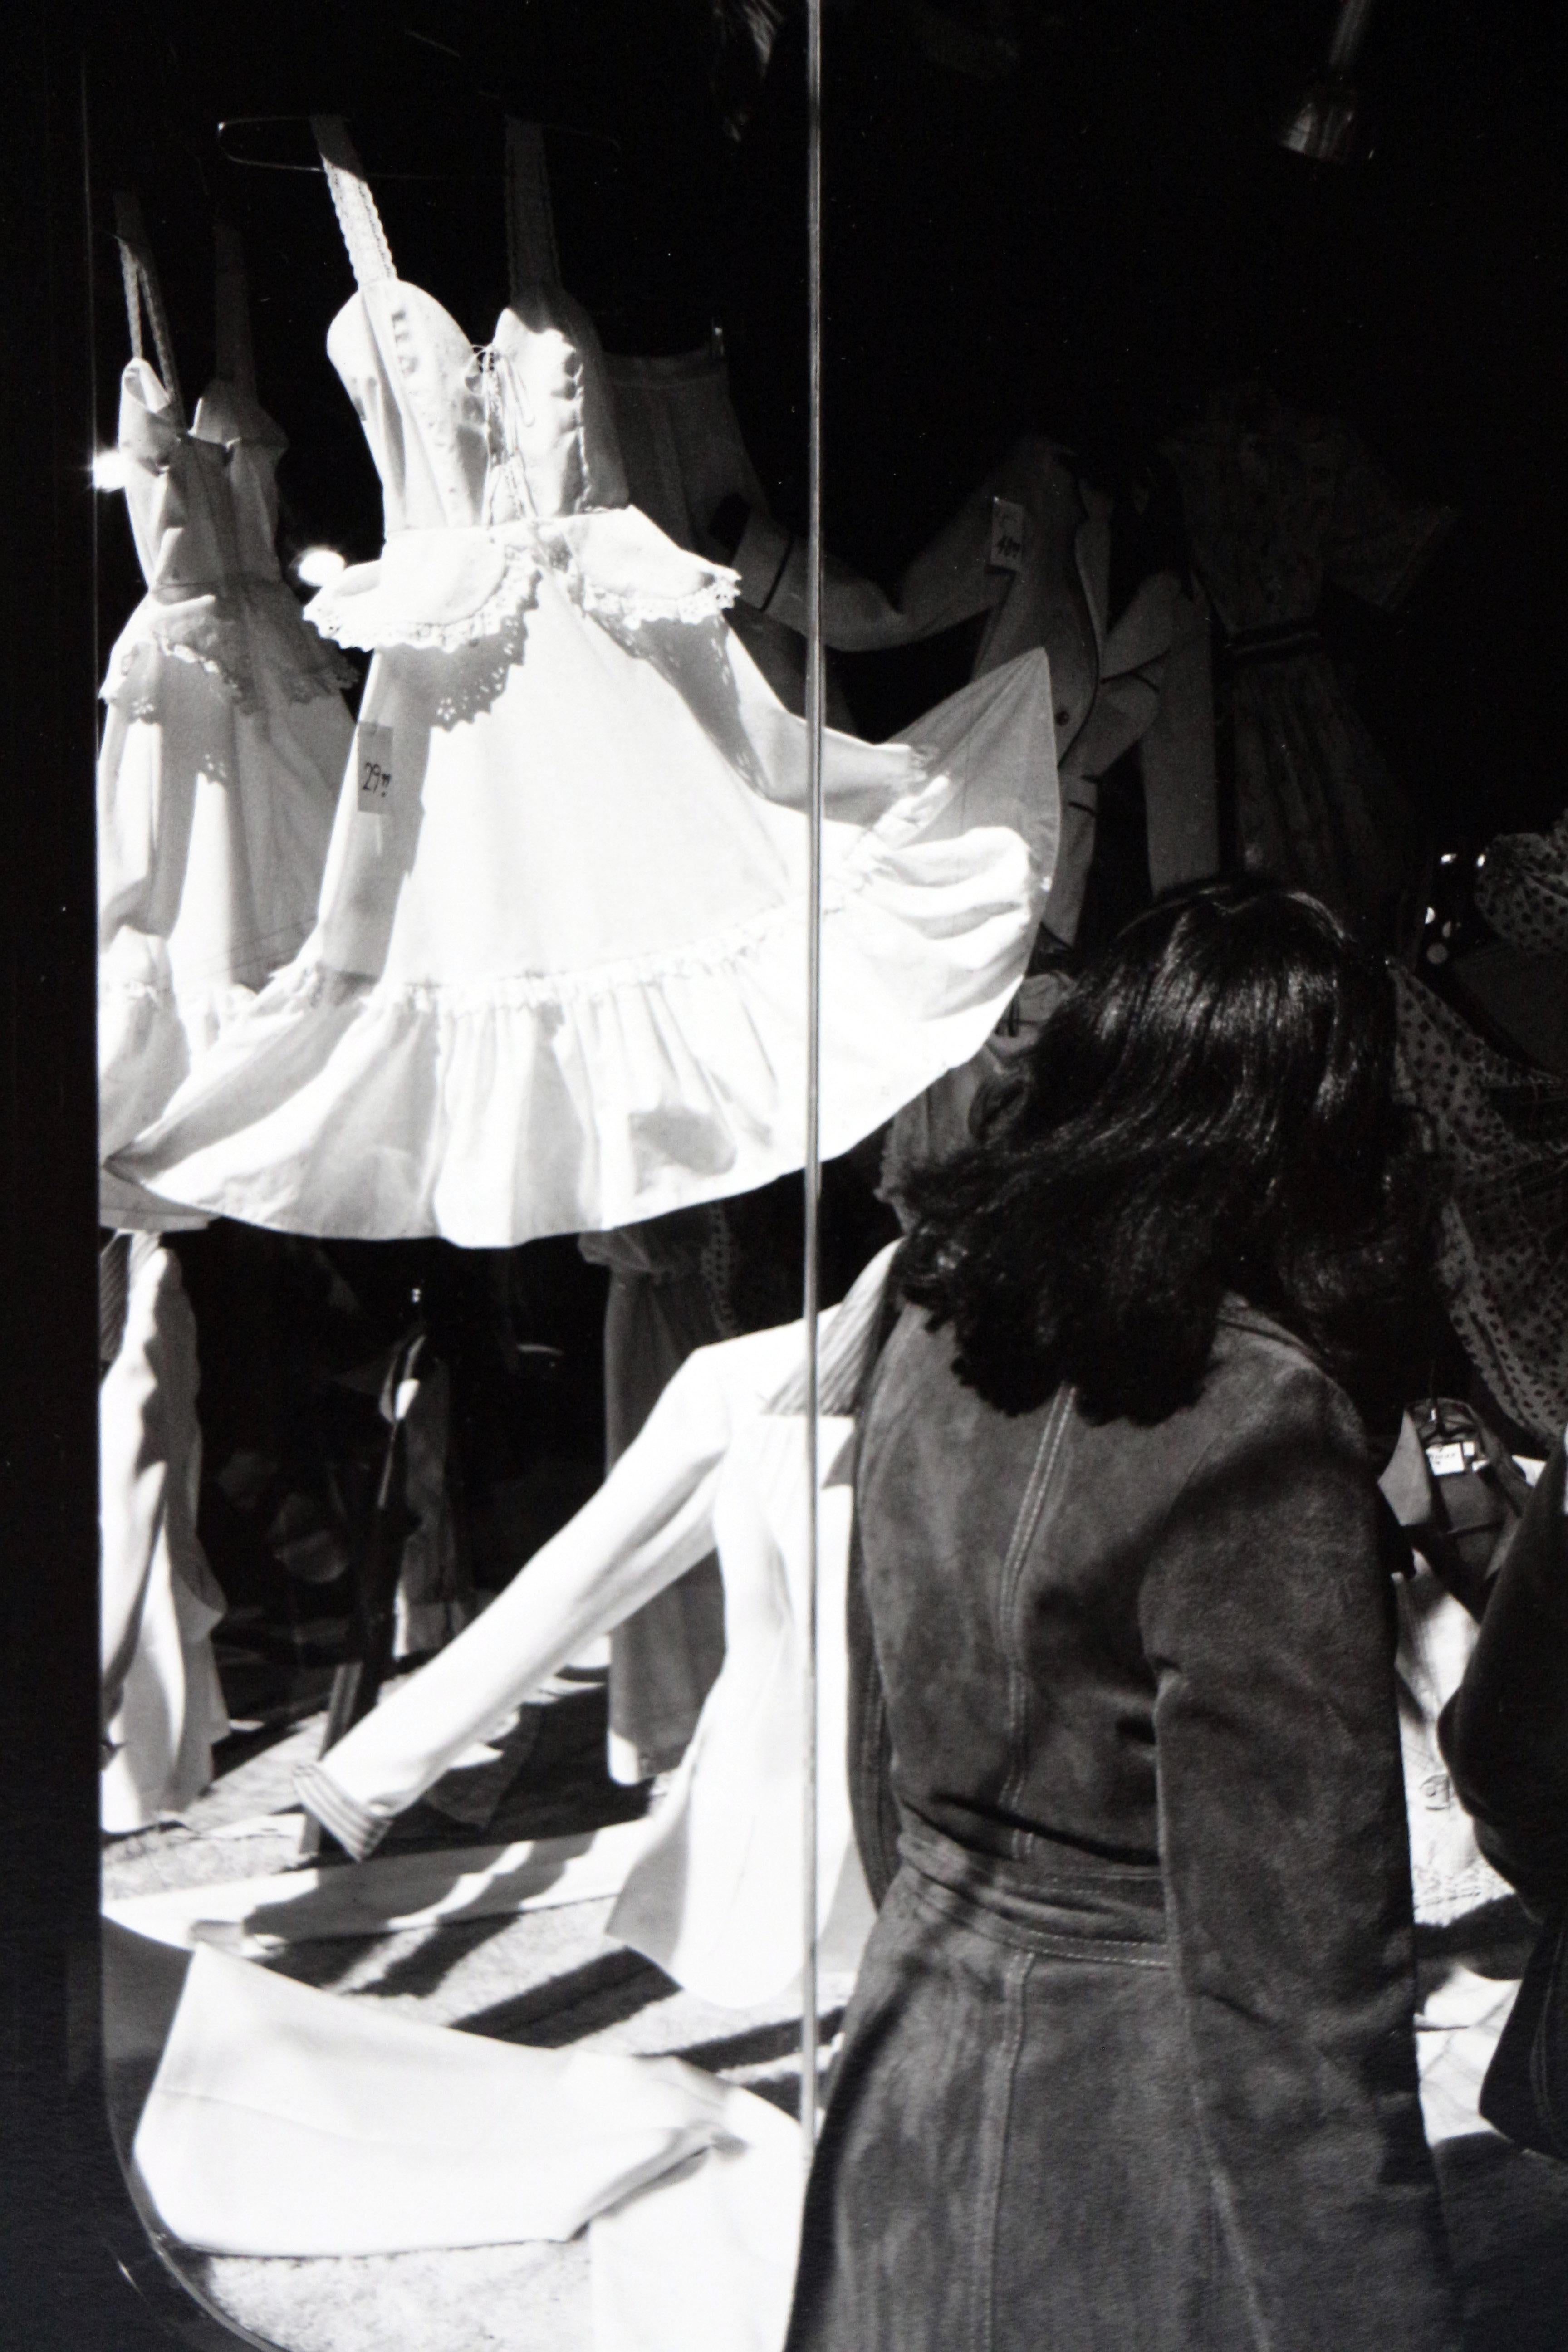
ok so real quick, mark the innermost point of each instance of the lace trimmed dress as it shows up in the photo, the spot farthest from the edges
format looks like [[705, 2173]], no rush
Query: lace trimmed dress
[[557, 983], [224, 741]]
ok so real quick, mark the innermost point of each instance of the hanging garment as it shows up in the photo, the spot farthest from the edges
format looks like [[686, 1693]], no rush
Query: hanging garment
[[1522, 888], [686, 462], [1278, 502], [678, 1284], [668, 1295], [224, 739], [1502, 1129], [163, 1704], [719, 1464], [1031, 550], [557, 982], [1132, 682]]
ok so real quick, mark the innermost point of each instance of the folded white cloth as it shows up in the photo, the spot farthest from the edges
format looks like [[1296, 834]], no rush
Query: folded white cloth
[[287, 2121]]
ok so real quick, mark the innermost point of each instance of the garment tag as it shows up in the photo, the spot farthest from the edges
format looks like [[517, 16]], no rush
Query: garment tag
[[1449, 1461], [1007, 536], [373, 751]]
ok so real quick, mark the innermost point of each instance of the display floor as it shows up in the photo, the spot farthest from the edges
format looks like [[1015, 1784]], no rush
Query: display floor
[[541, 1977]]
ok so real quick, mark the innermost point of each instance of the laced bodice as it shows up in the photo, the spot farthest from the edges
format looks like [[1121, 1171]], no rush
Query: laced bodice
[[521, 429], [499, 465]]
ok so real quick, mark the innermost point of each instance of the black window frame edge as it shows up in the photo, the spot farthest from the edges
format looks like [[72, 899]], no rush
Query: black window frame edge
[[79, 2269]]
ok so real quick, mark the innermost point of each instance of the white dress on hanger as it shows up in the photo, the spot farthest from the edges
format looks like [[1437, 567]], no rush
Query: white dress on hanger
[[223, 744], [558, 980]]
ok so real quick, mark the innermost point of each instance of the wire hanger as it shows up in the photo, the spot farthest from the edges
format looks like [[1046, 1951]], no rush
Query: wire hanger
[[253, 163]]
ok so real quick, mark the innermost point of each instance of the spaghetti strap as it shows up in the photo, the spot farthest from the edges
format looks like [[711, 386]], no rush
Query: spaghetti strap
[[234, 361], [355, 207], [142, 291], [531, 256]]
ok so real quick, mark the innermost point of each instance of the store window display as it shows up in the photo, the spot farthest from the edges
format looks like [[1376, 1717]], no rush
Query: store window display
[[496, 1157]]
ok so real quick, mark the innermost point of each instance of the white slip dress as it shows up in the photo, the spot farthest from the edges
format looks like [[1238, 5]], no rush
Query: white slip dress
[[224, 741], [557, 982]]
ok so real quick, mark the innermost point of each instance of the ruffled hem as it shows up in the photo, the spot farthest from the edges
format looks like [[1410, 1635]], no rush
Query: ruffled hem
[[451, 588], [350, 1109], [149, 1041], [252, 640]]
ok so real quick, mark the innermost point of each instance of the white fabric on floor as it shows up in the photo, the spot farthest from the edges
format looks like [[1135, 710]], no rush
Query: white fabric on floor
[[163, 1704], [287, 2121], [704, 2260]]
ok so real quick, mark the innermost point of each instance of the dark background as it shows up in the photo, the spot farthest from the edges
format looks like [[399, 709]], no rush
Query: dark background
[[1083, 245]]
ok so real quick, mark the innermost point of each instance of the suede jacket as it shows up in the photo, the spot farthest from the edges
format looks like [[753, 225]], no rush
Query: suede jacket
[[1174, 1645]]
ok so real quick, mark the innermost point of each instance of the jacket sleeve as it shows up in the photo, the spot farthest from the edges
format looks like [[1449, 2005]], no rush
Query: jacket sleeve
[[1505, 1731], [650, 1520], [1268, 1623], [948, 582]]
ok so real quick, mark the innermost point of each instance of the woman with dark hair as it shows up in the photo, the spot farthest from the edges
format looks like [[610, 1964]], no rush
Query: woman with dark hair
[[1131, 2061]]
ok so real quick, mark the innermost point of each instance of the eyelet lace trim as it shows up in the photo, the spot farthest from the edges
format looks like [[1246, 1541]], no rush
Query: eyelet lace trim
[[219, 632], [529, 550], [516, 593]]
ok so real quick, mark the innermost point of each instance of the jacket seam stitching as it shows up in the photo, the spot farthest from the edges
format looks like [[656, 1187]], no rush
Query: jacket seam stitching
[[1024, 1531], [1018, 1973]]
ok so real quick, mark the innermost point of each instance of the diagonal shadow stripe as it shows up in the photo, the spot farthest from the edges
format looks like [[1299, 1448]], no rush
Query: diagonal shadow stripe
[[567, 2008], [758, 2044]]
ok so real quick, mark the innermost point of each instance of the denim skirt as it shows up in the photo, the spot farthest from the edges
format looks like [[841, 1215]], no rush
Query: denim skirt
[[1011, 2158]]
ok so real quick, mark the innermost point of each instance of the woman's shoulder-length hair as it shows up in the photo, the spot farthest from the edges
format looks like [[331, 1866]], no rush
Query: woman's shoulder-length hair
[[1210, 1109]]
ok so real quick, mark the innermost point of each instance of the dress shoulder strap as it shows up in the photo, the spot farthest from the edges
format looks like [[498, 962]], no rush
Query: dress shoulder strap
[[142, 292], [531, 256], [234, 361], [352, 199]]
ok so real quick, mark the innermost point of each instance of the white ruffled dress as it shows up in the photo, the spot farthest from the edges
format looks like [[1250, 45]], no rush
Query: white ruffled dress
[[224, 741], [558, 981]]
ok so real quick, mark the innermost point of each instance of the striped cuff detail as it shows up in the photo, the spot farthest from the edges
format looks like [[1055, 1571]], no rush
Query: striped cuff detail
[[358, 1830]]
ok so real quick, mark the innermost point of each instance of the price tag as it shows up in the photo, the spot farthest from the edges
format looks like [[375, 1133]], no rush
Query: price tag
[[1447, 1461], [372, 753], [1007, 536]]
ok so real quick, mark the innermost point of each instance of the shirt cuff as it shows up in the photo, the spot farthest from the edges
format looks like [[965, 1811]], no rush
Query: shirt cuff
[[358, 1830]]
